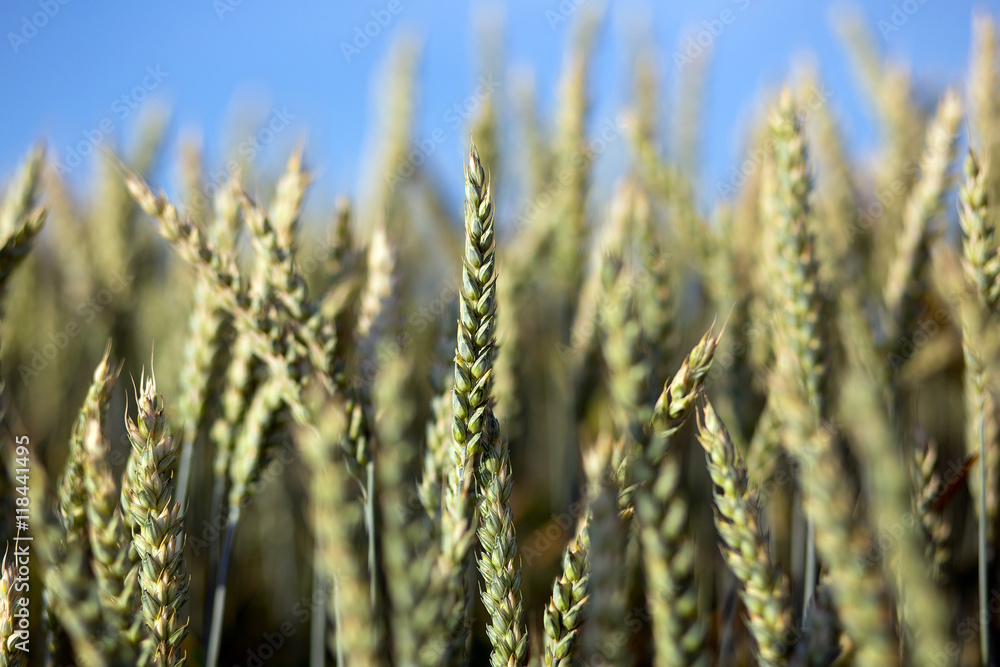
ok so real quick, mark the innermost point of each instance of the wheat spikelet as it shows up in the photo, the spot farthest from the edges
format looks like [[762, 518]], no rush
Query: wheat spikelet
[[980, 260], [680, 392]]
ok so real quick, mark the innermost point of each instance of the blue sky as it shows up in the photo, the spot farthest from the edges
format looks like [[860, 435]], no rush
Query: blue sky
[[72, 71]]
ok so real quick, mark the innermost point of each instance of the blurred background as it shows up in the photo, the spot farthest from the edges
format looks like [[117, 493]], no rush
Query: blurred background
[[382, 95]]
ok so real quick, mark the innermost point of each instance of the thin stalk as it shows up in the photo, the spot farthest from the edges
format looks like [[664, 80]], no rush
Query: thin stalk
[[317, 625], [810, 587], [337, 623], [370, 523], [215, 508], [219, 602], [984, 621]]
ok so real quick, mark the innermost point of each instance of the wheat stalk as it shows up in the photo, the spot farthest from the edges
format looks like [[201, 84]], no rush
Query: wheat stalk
[[905, 281]]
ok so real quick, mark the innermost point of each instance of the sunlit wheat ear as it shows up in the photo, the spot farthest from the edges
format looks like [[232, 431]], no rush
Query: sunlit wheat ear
[[797, 292], [472, 396], [72, 489], [158, 528]]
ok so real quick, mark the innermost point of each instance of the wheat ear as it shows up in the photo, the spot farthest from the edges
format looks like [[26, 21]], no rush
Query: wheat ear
[[744, 544], [842, 542], [472, 395], [72, 489], [158, 533]]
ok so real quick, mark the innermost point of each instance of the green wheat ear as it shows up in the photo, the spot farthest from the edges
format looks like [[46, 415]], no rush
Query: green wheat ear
[[157, 528]]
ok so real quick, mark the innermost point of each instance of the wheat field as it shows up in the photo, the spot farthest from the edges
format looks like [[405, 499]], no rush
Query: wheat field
[[583, 422]]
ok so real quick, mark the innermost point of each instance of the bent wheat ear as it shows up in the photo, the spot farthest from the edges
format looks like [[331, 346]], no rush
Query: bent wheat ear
[[744, 544], [72, 488]]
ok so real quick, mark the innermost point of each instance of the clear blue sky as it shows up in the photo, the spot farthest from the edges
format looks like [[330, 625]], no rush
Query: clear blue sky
[[65, 66]]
